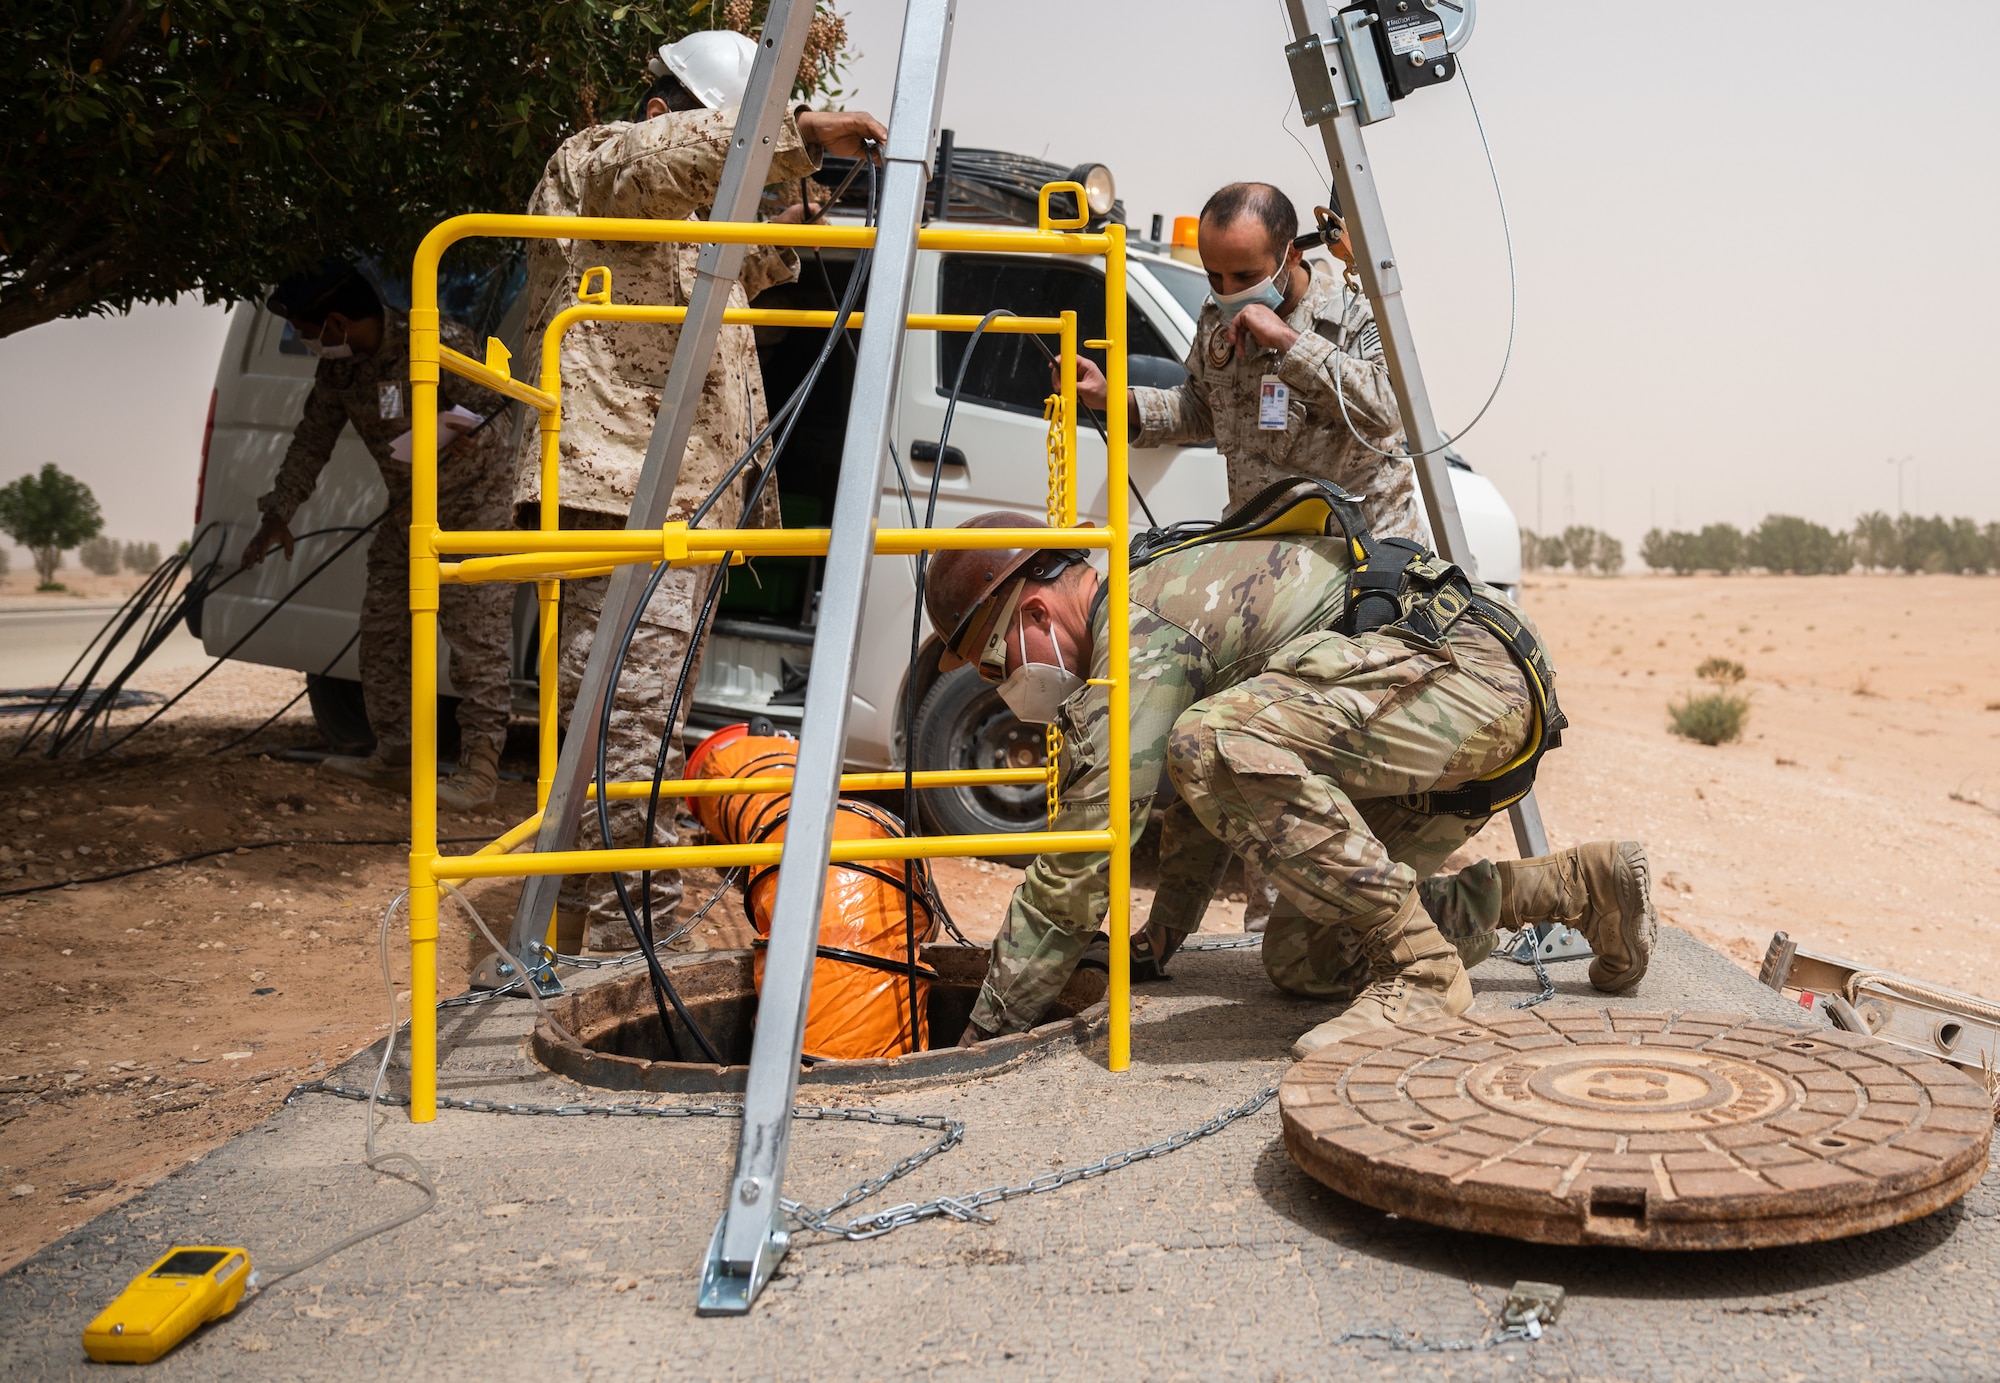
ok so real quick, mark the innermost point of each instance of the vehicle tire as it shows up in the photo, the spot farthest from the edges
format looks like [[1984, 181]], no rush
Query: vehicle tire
[[340, 713], [963, 723]]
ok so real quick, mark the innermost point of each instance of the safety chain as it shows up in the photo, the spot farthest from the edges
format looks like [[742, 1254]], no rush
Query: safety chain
[[1061, 514], [951, 1131], [1542, 975]]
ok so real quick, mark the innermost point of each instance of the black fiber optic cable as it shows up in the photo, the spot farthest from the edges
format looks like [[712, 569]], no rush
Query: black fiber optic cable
[[910, 867], [640, 919]]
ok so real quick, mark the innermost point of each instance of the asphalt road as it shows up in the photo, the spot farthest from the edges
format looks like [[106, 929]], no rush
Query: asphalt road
[[39, 642]]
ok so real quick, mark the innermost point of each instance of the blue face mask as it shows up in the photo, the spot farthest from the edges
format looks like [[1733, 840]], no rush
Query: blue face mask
[[1267, 294]]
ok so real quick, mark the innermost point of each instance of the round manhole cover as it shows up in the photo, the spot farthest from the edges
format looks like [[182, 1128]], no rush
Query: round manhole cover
[[1651, 1130]]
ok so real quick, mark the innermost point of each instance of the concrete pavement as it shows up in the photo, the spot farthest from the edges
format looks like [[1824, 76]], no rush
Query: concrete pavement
[[570, 1248], [39, 640]]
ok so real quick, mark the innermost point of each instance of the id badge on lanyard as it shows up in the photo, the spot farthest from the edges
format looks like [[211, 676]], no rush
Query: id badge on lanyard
[[1274, 400]]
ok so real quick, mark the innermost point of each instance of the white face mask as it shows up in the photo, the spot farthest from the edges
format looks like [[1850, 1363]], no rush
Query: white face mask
[[317, 346], [1267, 293], [1035, 691]]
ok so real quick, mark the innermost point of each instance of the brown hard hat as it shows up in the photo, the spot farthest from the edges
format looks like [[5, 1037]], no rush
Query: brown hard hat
[[957, 583]]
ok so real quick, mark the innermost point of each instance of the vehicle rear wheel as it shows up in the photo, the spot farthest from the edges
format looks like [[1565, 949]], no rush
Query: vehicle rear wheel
[[963, 723], [340, 713]]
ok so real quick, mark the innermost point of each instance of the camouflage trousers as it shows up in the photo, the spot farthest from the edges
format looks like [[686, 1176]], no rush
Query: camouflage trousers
[[646, 683], [476, 622], [1298, 770]]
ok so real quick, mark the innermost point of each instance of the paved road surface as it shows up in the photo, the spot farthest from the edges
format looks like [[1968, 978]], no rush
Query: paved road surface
[[38, 642], [568, 1248]]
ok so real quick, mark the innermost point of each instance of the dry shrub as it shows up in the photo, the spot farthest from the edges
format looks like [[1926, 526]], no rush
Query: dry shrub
[[1717, 717]]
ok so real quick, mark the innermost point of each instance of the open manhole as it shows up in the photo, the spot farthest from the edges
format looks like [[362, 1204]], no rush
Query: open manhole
[[1649, 1130], [620, 1045]]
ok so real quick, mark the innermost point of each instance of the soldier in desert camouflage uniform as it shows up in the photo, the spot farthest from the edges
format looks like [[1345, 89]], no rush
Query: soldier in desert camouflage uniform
[[665, 164], [1226, 635], [1277, 318], [363, 378]]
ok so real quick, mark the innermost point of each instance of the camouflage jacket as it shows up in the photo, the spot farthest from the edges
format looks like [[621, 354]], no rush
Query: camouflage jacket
[[612, 372], [1202, 621], [1337, 341], [373, 393]]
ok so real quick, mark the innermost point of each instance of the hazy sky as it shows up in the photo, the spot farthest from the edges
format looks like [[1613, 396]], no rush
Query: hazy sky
[[1749, 271]]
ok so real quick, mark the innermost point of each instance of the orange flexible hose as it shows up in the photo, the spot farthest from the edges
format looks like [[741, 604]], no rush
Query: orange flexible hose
[[857, 1010]]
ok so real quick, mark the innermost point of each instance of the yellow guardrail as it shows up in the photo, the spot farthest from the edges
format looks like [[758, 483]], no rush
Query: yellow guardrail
[[550, 555]]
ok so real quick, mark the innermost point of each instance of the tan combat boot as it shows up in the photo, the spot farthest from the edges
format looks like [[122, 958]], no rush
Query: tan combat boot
[[1604, 890], [476, 780], [1417, 974], [388, 767]]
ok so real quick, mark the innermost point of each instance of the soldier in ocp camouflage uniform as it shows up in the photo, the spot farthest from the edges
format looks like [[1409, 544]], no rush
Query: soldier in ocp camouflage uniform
[[363, 378], [1221, 632], [665, 164]]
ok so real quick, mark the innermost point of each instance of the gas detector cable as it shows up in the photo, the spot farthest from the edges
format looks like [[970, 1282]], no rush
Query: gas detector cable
[[1513, 291], [913, 868]]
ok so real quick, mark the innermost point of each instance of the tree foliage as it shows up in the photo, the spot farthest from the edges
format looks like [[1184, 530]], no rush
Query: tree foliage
[[47, 513], [100, 555], [162, 147], [1586, 549]]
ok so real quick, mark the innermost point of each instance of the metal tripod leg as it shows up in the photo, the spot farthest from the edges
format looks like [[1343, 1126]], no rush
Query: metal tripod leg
[[765, 104], [752, 1235], [1327, 102]]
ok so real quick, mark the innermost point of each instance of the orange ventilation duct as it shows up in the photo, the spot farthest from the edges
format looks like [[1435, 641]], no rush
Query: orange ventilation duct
[[862, 983]]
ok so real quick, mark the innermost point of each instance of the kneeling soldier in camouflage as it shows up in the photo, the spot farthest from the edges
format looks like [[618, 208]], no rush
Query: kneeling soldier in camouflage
[[1341, 710]]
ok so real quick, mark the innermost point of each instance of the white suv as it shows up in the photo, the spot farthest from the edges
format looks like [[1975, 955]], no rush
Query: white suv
[[760, 650]]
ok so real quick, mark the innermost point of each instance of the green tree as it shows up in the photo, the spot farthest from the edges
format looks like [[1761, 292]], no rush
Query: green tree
[[1607, 555], [141, 556], [1673, 551], [1531, 550], [164, 147], [1785, 543], [1875, 542], [1719, 548], [100, 555], [1552, 552], [47, 513]]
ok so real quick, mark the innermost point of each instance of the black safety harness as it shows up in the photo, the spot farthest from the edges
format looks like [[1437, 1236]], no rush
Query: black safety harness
[[1398, 585]]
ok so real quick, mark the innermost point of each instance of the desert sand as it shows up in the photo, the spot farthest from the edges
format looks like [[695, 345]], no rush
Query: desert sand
[[147, 1020]]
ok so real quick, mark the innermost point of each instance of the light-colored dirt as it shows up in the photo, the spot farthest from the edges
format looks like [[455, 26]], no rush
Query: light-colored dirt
[[133, 1036]]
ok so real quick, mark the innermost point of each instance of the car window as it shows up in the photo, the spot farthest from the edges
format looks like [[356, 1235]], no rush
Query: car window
[[1011, 372], [1189, 286]]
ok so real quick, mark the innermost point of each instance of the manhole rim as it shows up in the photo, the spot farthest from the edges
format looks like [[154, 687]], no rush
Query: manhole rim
[[941, 1065]]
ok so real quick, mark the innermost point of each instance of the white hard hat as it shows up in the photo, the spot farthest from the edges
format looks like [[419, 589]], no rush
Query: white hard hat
[[714, 65]]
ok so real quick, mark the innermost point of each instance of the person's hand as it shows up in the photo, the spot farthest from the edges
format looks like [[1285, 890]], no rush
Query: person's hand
[[797, 213], [1258, 323], [271, 533], [1091, 388], [844, 133]]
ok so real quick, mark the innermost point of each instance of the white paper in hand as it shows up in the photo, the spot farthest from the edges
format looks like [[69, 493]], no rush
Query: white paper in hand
[[451, 426]]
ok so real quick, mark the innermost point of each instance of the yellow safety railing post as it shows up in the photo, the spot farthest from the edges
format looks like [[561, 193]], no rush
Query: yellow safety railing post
[[1067, 517], [423, 905], [1119, 627]]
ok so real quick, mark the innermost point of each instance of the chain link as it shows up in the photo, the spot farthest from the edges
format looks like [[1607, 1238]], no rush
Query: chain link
[[1541, 975], [971, 1206], [951, 1133]]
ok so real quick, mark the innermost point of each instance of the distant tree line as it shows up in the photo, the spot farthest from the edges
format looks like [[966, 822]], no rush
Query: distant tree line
[[1585, 549], [1786, 543]]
